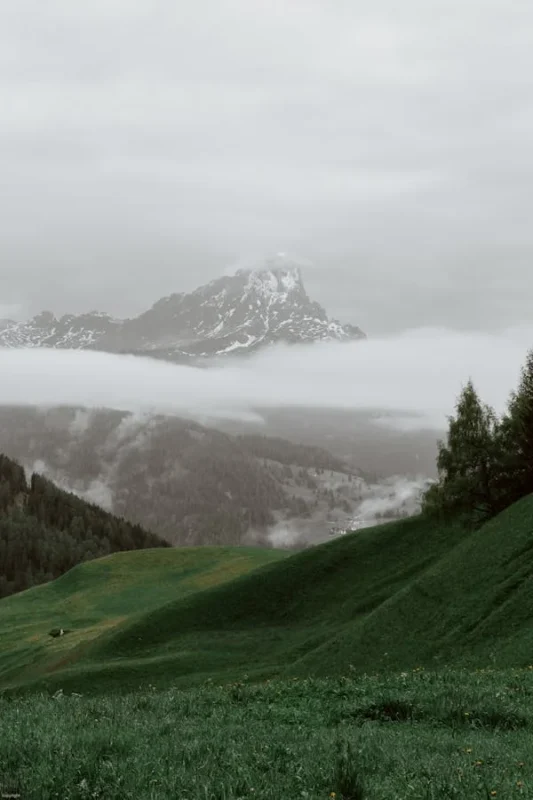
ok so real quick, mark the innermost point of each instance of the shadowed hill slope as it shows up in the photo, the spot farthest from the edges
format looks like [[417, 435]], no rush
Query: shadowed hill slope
[[473, 607]]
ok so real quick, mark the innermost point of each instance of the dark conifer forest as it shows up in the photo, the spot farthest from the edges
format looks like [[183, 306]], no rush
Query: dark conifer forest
[[45, 531]]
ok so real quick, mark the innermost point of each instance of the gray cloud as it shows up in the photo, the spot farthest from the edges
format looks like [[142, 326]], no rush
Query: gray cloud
[[144, 147], [420, 372]]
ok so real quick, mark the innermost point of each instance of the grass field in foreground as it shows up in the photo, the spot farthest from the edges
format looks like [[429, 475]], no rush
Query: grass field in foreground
[[98, 595], [410, 736]]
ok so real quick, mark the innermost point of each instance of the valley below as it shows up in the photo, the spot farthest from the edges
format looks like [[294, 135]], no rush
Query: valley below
[[198, 485]]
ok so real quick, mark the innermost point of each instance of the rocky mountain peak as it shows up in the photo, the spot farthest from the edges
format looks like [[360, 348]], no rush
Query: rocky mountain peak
[[238, 313], [278, 274]]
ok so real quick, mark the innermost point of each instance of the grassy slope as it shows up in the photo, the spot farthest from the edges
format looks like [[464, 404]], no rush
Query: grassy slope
[[392, 597], [473, 607], [265, 621], [98, 595]]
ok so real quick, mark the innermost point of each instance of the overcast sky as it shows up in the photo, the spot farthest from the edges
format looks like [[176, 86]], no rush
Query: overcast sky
[[145, 146]]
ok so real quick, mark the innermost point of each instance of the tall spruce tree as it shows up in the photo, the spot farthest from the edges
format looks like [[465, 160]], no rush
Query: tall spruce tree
[[466, 462], [515, 434]]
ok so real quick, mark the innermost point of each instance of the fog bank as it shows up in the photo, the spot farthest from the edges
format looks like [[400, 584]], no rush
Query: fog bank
[[420, 372]]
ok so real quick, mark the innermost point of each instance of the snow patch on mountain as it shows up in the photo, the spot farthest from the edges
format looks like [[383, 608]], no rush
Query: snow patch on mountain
[[240, 313]]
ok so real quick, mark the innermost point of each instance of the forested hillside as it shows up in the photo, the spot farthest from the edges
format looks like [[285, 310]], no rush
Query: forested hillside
[[45, 531], [191, 484], [286, 452]]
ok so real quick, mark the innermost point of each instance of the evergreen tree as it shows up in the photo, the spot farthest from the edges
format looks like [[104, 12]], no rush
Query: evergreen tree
[[466, 462], [515, 435]]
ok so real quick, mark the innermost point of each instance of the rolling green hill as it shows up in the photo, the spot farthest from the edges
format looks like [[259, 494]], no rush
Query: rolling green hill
[[98, 595], [398, 596]]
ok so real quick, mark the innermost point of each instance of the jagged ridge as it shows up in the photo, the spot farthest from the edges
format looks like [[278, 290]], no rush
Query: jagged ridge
[[232, 314]]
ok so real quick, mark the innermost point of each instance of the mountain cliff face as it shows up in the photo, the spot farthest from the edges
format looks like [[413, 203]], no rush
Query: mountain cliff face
[[232, 314]]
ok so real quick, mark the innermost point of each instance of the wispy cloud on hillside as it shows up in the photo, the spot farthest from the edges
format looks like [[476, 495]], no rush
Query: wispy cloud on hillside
[[419, 372]]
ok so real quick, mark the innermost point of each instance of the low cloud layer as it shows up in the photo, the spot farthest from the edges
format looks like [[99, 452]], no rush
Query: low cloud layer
[[420, 372]]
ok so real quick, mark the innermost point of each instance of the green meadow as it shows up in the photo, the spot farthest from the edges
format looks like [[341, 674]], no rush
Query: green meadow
[[451, 734], [100, 595], [395, 662]]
